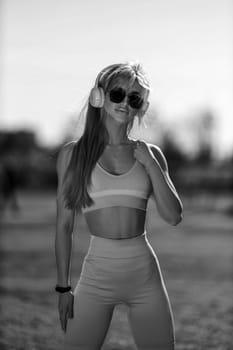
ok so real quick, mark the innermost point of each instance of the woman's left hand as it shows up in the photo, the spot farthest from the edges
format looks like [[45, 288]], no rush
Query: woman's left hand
[[143, 153]]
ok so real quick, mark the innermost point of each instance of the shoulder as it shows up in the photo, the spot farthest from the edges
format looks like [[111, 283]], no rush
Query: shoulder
[[158, 154], [64, 155]]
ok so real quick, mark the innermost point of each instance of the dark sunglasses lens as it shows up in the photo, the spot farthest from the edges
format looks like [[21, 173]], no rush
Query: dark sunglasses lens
[[135, 101], [117, 95]]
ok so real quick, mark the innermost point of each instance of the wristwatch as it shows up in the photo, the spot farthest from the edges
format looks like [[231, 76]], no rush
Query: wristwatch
[[62, 289]]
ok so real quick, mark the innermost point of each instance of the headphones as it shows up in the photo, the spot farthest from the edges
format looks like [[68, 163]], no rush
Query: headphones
[[96, 97]]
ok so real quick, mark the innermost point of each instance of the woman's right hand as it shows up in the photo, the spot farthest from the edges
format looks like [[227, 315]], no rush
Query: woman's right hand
[[65, 307]]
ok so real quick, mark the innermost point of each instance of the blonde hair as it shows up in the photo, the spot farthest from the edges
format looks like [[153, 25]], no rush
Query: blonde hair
[[130, 71]]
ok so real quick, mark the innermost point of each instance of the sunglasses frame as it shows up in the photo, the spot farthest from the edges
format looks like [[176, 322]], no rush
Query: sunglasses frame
[[129, 97]]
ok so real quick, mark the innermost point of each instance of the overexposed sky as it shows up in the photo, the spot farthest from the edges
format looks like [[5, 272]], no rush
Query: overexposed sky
[[52, 51]]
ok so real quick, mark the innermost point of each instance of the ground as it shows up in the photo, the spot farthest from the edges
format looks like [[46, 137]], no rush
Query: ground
[[196, 259]]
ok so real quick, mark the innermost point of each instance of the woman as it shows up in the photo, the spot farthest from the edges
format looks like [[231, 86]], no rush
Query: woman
[[109, 177]]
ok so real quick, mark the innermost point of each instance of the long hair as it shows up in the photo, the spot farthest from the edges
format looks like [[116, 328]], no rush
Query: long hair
[[88, 149]]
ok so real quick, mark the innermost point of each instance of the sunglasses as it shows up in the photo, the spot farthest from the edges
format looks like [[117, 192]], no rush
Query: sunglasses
[[134, 99]]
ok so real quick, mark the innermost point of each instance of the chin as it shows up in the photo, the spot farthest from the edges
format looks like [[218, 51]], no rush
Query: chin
[[123, 118], [120, 119]]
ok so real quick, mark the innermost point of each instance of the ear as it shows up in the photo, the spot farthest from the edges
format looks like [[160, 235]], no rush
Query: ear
[[143, 109]]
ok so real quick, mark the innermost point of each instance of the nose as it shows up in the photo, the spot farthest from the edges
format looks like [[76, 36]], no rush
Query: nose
[[125, 100]]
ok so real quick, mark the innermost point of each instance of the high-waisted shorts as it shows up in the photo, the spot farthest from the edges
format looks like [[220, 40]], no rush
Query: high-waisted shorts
[[120, 271]]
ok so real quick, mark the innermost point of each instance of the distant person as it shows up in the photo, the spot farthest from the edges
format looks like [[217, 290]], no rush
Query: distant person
[[8, 188], [109, 177]]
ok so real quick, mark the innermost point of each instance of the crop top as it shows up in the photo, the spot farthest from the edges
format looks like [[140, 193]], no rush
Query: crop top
[[131, 189]]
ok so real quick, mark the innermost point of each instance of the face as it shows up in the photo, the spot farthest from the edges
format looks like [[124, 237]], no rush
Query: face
[[122, 112]]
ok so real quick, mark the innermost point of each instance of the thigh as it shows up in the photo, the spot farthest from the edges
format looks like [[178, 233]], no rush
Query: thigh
[[151, 319], [88, 328]]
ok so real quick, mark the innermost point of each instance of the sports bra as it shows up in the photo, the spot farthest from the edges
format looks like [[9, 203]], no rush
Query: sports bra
[[131, 189]]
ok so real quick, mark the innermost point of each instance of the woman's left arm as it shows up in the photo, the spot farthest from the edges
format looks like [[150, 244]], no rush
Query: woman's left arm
[[167, 199]]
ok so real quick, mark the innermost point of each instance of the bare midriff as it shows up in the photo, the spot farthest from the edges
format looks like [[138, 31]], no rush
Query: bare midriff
[[116, 222]]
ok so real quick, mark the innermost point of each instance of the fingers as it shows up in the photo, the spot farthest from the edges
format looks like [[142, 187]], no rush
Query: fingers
[[137, 145], [66, 311], [65, 316], [140, 145], [63, 320]]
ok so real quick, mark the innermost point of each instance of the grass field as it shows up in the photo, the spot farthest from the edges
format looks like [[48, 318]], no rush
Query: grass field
[[196, 259]]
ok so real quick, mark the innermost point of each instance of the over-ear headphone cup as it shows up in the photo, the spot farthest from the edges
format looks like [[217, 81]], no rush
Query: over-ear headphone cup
[[96, 98]]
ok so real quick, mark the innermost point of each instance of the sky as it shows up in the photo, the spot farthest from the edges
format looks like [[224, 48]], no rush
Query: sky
[[52, 51]]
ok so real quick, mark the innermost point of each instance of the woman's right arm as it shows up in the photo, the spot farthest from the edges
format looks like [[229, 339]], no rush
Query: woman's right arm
[[63, 240]]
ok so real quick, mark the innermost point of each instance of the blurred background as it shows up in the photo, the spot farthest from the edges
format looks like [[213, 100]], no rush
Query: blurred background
[[51, 53]]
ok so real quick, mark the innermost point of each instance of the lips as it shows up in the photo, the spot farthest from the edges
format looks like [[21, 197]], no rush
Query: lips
[[123, 110]]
